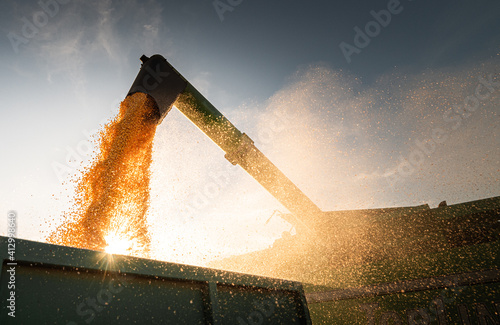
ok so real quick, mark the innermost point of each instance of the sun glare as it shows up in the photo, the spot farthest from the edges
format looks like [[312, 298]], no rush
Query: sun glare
[[117, 245]]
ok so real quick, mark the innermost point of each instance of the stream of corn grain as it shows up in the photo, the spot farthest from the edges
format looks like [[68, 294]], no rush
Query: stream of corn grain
[[112, 195]]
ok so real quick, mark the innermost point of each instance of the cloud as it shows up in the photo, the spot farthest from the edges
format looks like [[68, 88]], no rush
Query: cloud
[[342, 141], [84, 33]]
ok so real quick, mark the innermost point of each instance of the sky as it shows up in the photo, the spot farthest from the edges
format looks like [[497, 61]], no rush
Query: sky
[[362, 104]]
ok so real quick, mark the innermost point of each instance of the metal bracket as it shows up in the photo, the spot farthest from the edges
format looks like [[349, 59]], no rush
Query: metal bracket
[[239, 154]]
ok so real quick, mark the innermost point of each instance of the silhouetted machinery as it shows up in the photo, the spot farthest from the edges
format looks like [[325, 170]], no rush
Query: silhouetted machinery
[[411, 265], [158, 79], [406, 265], [52, 284]]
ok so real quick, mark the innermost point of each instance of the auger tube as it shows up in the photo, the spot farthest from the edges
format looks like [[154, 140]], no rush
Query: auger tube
[[168, 87]]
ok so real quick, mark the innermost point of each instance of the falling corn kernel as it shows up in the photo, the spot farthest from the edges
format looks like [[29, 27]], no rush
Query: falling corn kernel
[[112, 195]]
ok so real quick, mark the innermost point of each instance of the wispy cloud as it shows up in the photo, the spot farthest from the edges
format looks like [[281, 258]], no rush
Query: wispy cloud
[[85, 32], [340, 140]]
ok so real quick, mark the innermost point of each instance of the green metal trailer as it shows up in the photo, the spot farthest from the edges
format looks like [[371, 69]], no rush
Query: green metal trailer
[[440, 266], [49, 284], [460, 286], [406, 265], [410, 265]]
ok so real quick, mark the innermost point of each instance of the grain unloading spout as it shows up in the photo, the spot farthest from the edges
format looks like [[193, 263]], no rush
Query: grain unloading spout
[[160, 80], [167, 87]]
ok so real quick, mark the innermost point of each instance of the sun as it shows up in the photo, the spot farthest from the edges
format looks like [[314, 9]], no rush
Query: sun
[[117, 245]]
